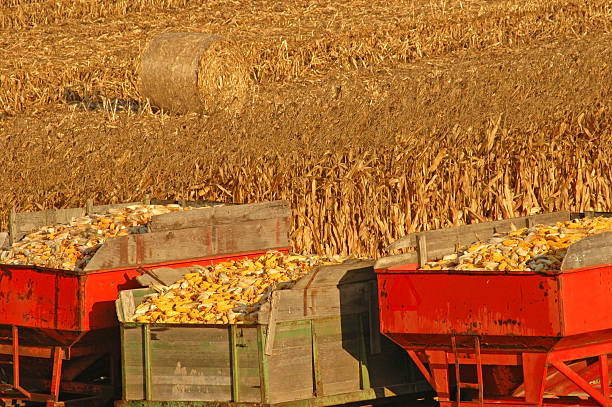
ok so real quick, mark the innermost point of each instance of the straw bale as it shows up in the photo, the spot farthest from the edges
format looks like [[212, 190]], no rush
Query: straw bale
[[185, 72]]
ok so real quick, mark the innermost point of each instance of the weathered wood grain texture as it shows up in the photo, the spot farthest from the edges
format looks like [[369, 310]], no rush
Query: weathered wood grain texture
[[221, 215], [325, 291], [396, 260], [590, 251], [198, 203], [338, 342], [26, 222], [271, 333], [133, 363], [290, 367], [190, 364], [183, 244], [98, 209], [440, 242], [128, 301], [248, 365], [162, 275]]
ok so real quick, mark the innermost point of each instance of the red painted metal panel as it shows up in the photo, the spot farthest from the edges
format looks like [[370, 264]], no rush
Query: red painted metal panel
[[57, 300], [100, 292], [38, 298], [587, 300], [417, 302]]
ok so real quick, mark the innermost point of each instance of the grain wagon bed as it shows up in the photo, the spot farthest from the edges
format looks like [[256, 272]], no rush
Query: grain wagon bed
[[54, 324], [316, 344], [503, 338]]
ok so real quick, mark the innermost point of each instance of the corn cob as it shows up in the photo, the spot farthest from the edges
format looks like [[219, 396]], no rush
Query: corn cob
[[541, 247], [229, 292], [70, 246]]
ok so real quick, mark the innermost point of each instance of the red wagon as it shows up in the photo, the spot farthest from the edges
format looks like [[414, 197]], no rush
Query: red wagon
[[503, 338], [54, 324]]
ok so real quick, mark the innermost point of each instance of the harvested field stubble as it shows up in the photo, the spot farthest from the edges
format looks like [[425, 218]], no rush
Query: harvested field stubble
[[363, 158], [92, 48]]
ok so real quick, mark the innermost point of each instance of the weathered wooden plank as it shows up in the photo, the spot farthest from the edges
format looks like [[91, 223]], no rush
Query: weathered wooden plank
[[221, 215], [444, 241], [339, 366], [270, 336], [125, 305], [290, 307], [396, 260], [26, 222], [248, 364], [162, 275], [133, 363], [320, 302], [190, 364], [191, 392], [590, 251], [290, 366], [98, 209], [352, 271], [198, 203], [183, 244]]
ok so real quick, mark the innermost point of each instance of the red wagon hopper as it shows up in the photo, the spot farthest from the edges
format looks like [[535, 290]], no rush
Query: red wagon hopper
[[55, 324], [503, 336]]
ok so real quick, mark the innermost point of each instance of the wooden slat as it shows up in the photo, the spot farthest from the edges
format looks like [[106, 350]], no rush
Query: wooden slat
[[352, 271], [190, 363], [133, 363], [98, 209], [396, 260], [221, 215], [248, 364], [26, 222], [125, 305], [270, 335], [290, 366], [591, 251], [338, 342], [162, 275], [442, 240], [183, 244]]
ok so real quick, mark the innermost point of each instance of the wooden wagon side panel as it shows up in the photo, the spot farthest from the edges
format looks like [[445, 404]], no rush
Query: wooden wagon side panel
[[132, 362], [190, 364], [339, 346], [247, 368], [290, 367]]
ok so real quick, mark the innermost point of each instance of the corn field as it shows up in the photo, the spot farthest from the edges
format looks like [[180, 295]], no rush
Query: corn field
[[374, 119]]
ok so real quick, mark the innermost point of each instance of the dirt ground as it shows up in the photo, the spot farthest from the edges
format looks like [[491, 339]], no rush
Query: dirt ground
[[373, 118]]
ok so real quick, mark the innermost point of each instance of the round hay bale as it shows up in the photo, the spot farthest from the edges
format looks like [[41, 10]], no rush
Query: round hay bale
[[186, 72]]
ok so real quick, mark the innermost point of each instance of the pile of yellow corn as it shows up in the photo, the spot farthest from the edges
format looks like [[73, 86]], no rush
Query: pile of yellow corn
[[229, 292], [541, 247], [71, 246]]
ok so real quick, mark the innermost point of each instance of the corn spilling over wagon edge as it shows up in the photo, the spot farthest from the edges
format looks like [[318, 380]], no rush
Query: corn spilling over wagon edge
[[541, 247], [226, 293], [71, 246]]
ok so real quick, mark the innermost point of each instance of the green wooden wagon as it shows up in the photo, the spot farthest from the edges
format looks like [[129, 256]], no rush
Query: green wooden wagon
[[316, 344]]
